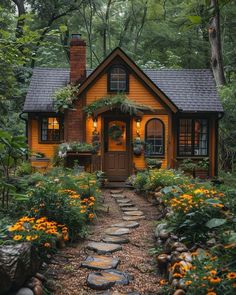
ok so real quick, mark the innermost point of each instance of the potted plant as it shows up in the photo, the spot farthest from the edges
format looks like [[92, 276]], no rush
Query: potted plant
[[152, 163], [202, 169], [138, 146]]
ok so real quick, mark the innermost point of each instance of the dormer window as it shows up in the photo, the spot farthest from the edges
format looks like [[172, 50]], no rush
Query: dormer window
[[118, 79]]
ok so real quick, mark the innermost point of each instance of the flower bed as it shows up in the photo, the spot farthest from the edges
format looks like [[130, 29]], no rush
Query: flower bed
[[196, 240], [59, 209]]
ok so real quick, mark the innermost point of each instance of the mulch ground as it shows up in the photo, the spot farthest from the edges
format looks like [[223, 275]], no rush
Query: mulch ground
[[69, 278]]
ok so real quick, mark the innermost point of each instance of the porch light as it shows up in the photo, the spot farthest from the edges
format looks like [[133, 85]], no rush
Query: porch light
[[95, 124], [138, 126]]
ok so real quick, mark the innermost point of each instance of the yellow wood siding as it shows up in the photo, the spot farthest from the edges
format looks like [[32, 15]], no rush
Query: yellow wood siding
[[46, 148], [139, 161], [137, 92]]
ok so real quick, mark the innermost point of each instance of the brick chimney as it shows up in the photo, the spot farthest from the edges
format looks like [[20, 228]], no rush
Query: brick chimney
[[77, 59]]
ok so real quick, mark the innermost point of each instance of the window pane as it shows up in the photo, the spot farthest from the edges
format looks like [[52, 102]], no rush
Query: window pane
[[200, 137], [185, 137], [50, 129], [154, 137], [118, 79]]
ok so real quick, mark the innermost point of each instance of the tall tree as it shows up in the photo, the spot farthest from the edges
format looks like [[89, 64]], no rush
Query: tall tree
[[215, 41]]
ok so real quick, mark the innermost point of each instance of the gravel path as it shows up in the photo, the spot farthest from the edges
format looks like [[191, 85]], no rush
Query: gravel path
[[70, 278]]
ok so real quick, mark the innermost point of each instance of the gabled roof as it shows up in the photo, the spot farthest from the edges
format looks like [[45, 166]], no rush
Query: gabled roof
[[188, 90]]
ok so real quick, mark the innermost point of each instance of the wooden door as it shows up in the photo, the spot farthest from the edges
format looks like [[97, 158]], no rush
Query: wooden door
[[117, 148]]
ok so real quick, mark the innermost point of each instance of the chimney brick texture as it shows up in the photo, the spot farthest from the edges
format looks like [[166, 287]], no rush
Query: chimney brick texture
[[74, 119], [77, 60]]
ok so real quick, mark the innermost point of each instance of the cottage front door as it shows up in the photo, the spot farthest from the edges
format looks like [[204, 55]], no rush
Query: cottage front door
[[117, 148]]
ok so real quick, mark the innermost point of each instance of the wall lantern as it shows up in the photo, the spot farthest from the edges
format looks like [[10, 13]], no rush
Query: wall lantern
[[138, 126], [95, 124]]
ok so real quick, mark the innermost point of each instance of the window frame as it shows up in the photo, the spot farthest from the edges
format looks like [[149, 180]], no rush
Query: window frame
[[40, 127], [162, 155], [193, 137], [109, 79]]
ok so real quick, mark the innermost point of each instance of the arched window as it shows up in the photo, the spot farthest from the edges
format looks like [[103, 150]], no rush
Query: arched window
[[117, 79], [154, 137]]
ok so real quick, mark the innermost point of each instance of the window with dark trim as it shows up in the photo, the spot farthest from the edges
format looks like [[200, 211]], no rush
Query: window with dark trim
[[193, 138], [154, 137], [51, 129], [118, 79]]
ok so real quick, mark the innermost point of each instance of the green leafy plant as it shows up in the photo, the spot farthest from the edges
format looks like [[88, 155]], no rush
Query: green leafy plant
[[65, 97], [119, 100]]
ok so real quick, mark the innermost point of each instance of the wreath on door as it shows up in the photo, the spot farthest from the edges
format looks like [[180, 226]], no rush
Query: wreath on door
[[115, 132]]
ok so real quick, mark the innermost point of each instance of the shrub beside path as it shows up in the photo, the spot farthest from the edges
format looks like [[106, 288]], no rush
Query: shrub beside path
[[115, 258]]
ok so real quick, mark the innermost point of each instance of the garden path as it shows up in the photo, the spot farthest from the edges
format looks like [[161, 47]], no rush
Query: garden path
[[125, 246]]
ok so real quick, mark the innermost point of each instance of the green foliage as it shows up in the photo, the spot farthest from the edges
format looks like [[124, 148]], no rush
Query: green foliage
[[67, 199], [118, 100], [65, 97]]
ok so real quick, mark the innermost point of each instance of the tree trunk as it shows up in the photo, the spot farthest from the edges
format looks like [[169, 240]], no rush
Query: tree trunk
[[215, 41], [21, 11]]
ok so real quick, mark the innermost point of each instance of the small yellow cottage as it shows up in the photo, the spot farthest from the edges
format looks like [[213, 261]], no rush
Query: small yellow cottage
[[174, 114]]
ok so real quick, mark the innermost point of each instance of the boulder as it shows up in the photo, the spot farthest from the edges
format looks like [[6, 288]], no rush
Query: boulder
[[17, 264], [160, 227], [25, 291]]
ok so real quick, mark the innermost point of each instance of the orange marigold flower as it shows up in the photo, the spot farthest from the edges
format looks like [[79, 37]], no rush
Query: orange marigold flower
[[211, 293], [213, 272], [177, 275], [231, 275], [47, 245], [215, 280], [163, 282], [91, 216], [187, 283]]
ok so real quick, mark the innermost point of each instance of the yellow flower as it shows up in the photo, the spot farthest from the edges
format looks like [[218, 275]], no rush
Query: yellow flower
[[211, 293], [187, 283], [163, 282], [231, 275], [91, 216], [47, 245], [28, 238], [17, 237], [82, 211]]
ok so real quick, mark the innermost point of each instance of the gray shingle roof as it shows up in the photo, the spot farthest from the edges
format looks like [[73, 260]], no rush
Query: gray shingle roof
[[190, 90]]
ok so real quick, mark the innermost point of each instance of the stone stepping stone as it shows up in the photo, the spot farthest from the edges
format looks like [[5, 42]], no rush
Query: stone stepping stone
[[126, 205], [100, 262], [117, 191], [133, 213], [123, 201], [115, 239], [103, 248], [128, 224], [118, 196], [133, 218], [107, 279], [117, 231], [129, 209]]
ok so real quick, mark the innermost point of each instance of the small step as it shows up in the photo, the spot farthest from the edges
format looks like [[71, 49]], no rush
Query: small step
[[117, 191], [103, 248], [129, 209], [107, 279], [118, 196], [133, 213], [133, 218], [123, 201], [115, 239], [100, 262], [117, 231], [126, 205], [128, 224]]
